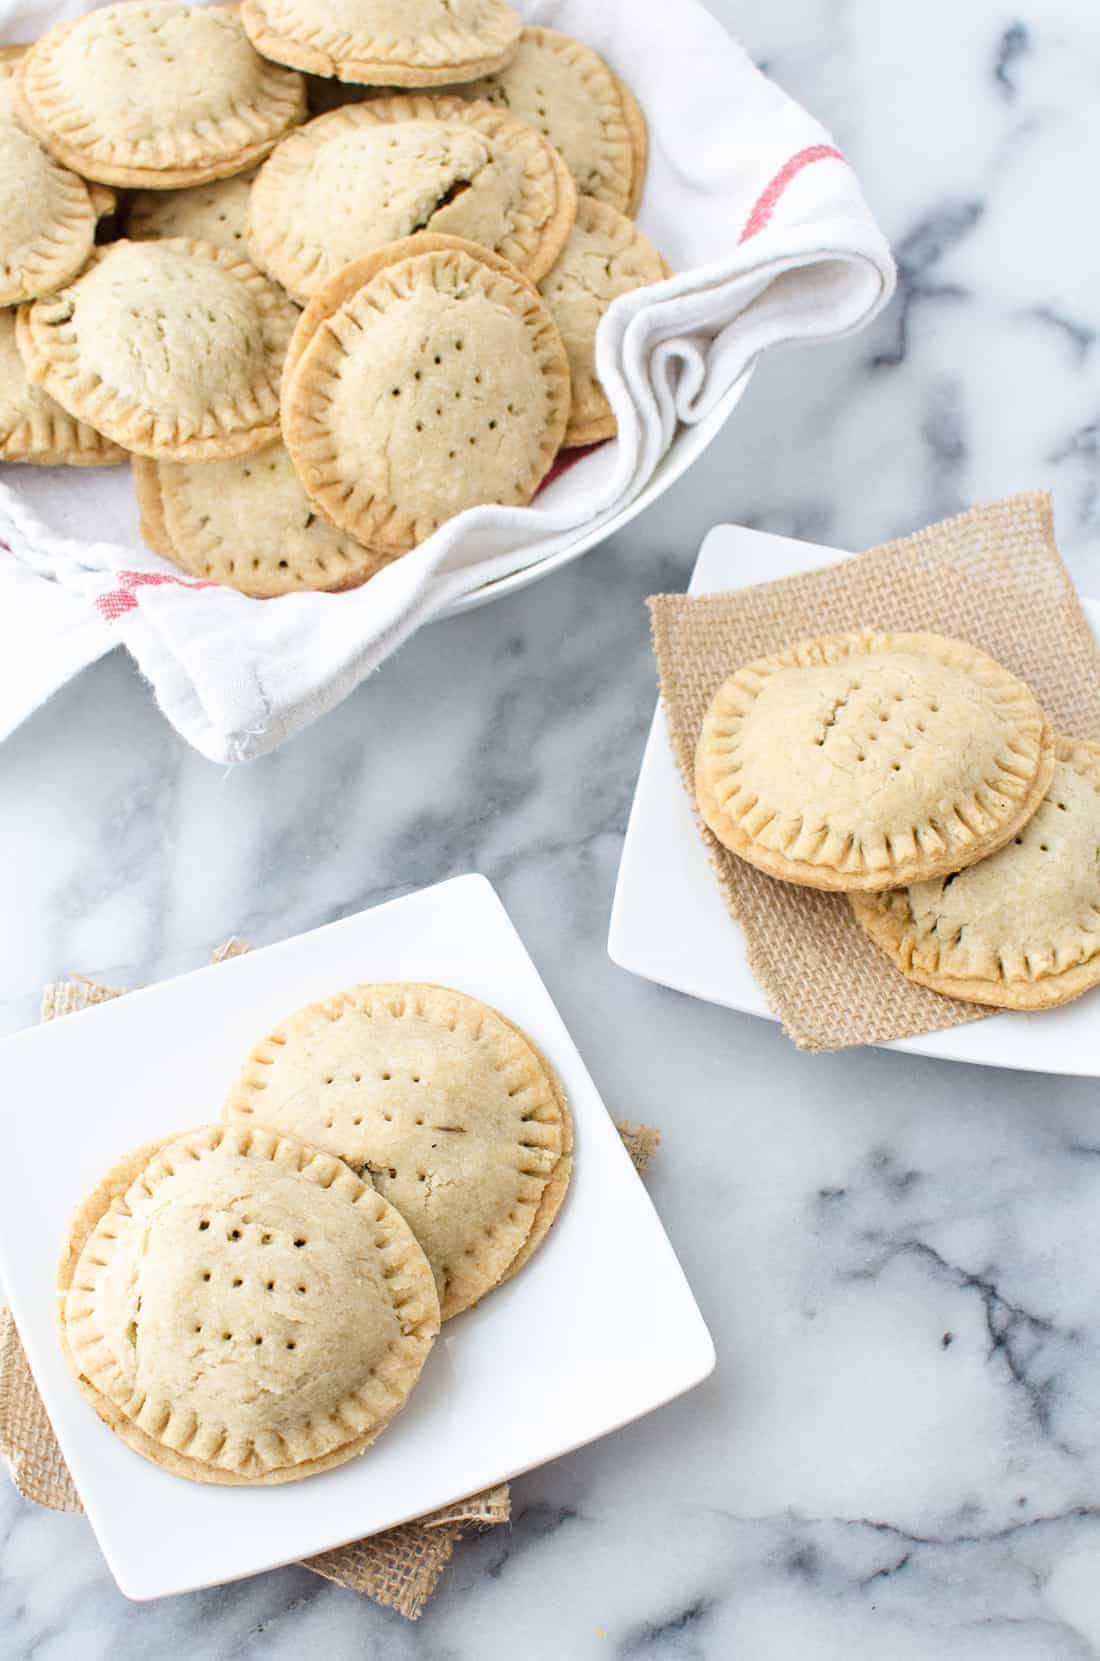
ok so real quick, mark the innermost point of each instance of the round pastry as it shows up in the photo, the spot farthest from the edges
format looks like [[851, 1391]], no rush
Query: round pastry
[[865, 761], [247, 522], [634, 116], [156, 93], [423, 380], [1021, 929], [241, 1309], [369, 174], [606, 255], [564, 90], [444, 1105], [409, 43], [47, 215], [216, 212], [33, 427], [170, 349]]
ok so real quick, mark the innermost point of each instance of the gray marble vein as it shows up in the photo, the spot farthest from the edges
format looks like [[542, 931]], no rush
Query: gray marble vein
[[898, 1457]]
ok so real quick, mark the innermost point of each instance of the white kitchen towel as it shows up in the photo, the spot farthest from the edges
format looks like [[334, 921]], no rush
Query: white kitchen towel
[[764, 223]]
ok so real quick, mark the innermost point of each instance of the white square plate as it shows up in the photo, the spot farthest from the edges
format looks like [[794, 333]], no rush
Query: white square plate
[[599, 1329], [669, 922]]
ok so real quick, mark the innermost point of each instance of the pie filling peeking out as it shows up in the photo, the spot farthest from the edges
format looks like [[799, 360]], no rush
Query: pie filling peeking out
[[369, 174], [867, 761], [565, 90], [1020, 930]]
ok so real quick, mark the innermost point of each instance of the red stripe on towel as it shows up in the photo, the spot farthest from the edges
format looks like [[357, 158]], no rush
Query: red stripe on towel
[[154, 579], [766, 202], [114, 605], [565, 460], [118, 601]]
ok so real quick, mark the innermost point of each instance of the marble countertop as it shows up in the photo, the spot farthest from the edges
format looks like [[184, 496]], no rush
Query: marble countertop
[[898, 1457]]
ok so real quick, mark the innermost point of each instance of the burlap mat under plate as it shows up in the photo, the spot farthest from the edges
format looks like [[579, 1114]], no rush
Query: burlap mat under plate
[[399, 1568], [992, 576]]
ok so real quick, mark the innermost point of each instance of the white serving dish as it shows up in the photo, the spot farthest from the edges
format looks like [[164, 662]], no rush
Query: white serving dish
[[687, 446], [670, 924], [600, 1328]]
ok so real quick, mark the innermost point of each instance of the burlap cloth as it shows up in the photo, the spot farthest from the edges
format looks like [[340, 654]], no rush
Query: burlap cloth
[[992, 576], [399, 1568]]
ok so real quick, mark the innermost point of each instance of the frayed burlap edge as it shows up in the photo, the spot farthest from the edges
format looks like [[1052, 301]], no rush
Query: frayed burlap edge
[[27, 1442], [399, 1568], [993, 576]]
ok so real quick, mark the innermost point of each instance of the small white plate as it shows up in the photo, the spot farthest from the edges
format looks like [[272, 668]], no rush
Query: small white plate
[[669, 922], [599, 1329]]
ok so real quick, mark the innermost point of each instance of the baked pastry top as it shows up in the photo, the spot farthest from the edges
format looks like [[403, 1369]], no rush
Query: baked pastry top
[[170, 348], [369, 174], [437, 1100], [241, 1308], [47, 215], [416, 43], [248, 523], [565, 90], [216, 212], [156, 93], [1021, 929], [606, 255], [33, 426], [422, 380], [864, 761]]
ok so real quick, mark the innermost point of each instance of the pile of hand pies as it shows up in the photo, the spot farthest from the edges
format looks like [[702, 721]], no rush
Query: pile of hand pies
[[253, 1301], [326, 276], [921, 779]]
